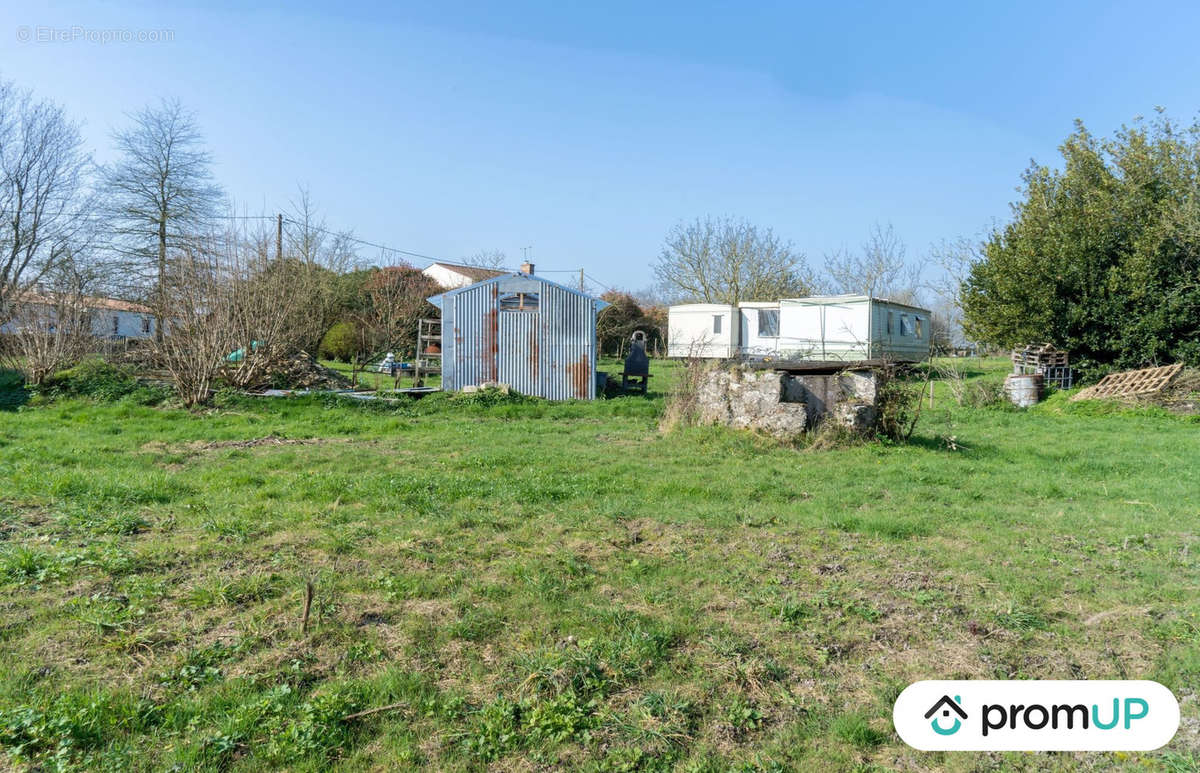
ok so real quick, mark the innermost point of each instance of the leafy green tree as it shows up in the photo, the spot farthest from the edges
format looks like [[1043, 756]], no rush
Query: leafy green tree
[[340, 342], [1102, 257]]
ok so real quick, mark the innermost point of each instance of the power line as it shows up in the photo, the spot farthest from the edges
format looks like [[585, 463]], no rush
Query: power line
[[339, 234], [103, 216], [597, 281], [367, 243]]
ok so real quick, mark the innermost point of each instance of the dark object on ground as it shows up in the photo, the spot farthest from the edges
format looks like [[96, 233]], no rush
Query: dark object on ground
[[636, 375]]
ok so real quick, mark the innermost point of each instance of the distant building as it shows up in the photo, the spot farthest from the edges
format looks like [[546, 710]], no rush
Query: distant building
[[454, 275], [108, 318], [830, 327]]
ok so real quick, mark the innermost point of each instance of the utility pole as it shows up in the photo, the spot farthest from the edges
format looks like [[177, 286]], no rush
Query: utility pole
[[279, 236]]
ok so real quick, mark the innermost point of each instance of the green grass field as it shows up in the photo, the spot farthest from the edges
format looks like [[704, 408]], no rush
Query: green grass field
[[521, 585]]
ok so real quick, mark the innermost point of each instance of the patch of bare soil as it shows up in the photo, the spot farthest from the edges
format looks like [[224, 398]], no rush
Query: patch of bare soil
[[155, 446], [269, 440]]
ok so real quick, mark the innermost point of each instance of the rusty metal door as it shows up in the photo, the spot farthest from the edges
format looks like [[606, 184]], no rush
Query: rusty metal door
[[519, 353]]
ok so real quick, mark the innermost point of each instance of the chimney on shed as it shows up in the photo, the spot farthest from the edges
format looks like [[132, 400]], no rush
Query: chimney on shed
[[527, 268]]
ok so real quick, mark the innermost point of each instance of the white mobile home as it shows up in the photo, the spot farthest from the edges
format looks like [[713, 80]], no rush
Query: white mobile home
[[832, 327]]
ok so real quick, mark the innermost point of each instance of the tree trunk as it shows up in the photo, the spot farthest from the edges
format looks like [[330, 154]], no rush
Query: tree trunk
[[162, 278]]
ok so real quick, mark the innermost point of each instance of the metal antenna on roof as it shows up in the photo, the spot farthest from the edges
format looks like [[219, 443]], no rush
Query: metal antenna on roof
[[525, 253]]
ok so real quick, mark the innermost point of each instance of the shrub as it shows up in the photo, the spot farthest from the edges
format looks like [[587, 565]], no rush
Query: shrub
[[95, 378], [683, 403], [339, 342], [11, 380], [898, 398], [12, 389], [102, 380]]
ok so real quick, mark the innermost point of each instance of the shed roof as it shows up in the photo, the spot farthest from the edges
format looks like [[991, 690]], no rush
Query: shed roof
[[436, 300]]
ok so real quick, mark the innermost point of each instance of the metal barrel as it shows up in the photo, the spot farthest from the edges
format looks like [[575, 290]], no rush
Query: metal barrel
[[1023, 390]]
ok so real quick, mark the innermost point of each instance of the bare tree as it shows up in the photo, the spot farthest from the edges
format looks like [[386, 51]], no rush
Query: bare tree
[[954, 260], [264, 306], [161, 195], [318, 256], [310, 240], [494, 259], [44, 202], [727, 260], [879, 269], [50, 328]]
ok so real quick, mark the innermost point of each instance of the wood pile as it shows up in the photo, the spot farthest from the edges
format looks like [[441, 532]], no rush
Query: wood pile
[[1040, 356], [1131, 383]]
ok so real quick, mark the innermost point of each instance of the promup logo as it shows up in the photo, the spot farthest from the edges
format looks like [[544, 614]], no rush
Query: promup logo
[[948, 704], [1036, 715]]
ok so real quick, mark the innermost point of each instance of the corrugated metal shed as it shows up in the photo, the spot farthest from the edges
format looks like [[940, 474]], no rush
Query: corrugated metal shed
[[537, 336]]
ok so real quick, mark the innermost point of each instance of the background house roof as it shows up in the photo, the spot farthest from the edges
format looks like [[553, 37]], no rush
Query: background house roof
[[474, 273], [92, 302]]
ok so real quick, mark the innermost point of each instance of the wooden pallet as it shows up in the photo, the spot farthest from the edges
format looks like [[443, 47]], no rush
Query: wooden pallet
[[1131, 383], [1040, 355]]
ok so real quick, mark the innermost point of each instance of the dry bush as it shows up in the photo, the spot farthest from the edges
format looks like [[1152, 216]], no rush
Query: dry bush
[[197, 310], [682, 404], [50, 329], [983, 394], [977, 393], [233, 292], [274, 309]]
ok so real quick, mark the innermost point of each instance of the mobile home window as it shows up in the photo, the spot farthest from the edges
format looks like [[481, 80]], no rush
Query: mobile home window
[[716, 323], [889, 322], [768, 323], [918, 322], [116, 324], [905, 325], [145, 324]]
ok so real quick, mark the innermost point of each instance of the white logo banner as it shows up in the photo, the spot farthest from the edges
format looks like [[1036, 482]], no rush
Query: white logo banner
[[1050, 715]]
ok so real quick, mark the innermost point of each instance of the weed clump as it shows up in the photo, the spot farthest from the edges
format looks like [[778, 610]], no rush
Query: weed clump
[[898, 400], [682, 407], [99, 379]]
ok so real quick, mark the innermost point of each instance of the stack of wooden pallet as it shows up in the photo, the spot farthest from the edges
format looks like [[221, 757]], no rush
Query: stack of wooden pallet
[[1051, 364], [1039, 356], [1131, 383]]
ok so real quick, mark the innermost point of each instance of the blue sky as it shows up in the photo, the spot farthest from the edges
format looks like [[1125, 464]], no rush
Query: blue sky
[[587, 130]]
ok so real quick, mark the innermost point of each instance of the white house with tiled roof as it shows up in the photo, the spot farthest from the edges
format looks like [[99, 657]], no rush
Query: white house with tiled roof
[[455, 275], [110, 318]]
